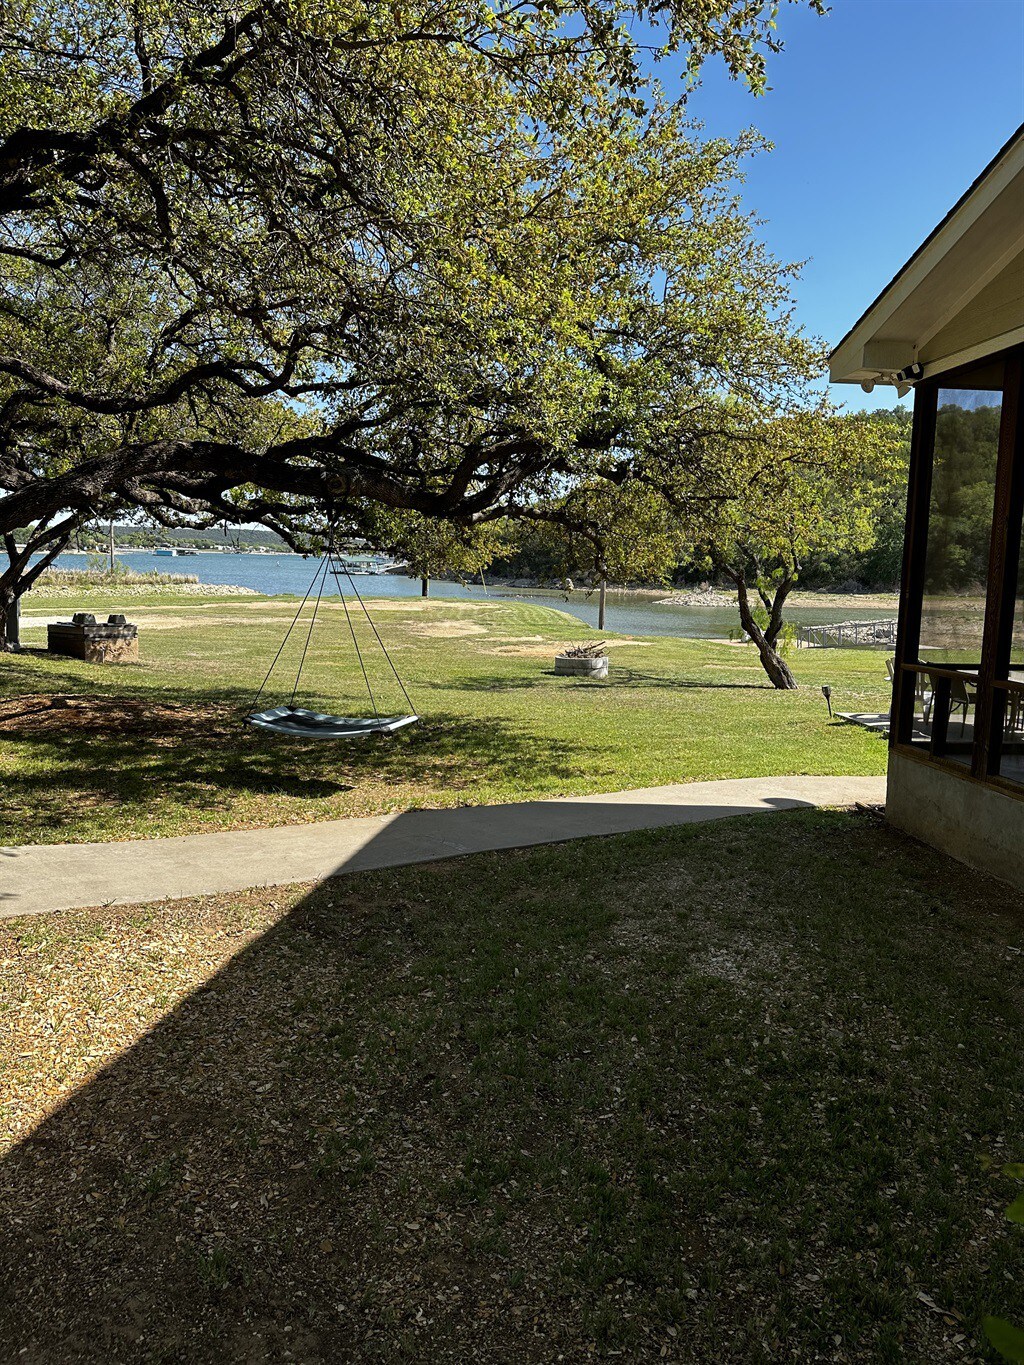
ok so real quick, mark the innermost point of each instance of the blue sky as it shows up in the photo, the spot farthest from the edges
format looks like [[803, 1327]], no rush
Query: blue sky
[[882, 113]]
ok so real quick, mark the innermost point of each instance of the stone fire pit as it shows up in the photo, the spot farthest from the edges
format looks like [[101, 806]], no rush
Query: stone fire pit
[[114, 641], [582, 665]]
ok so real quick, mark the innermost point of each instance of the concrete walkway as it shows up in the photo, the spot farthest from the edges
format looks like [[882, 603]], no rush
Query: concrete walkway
[[42, 877]]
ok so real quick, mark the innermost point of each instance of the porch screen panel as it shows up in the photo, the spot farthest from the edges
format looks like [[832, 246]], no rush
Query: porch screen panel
[[1011, 697], [960, 521], [1017, 638]]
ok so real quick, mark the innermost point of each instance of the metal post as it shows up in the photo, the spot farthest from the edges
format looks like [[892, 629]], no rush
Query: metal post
[[600, 604]]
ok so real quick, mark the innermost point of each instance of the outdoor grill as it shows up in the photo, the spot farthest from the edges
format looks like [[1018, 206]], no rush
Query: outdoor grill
[[113, 641]]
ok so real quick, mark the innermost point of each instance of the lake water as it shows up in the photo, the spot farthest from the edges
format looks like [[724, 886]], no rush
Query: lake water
[[626, 612]]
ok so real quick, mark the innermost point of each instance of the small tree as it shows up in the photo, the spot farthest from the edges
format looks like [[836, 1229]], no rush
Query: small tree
[[431, 547], [808, 483], [603, 531]]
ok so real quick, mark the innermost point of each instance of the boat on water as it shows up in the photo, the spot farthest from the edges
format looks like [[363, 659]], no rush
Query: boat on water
[[165, 550], [360, 566]]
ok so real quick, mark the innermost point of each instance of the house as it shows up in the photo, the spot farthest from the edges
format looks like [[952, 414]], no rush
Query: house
[[951, 326]]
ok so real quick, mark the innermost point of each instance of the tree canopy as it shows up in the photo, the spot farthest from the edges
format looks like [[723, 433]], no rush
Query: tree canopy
[[468, 247]]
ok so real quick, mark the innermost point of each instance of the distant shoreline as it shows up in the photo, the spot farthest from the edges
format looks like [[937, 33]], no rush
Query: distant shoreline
[[716, 599], [180, 554], [693, 598]]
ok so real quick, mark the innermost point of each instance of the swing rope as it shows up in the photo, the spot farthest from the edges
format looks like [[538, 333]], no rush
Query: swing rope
[[352, 632], [280, 649], [376, 632], [309, 635]]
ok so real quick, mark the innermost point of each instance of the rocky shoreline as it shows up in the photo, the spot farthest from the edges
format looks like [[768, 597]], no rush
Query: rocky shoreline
[[713, 598], [698, 597], [62, 581]]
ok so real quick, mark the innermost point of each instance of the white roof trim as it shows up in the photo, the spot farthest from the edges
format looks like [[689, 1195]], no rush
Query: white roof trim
[[988, 347], [973, 290], [931, 291]]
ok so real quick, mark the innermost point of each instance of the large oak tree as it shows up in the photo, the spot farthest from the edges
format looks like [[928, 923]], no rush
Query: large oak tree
[[301, 256]]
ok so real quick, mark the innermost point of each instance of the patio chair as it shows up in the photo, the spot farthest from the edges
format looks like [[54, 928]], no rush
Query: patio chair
[[1014, 722], [962, 696], [923, 695]]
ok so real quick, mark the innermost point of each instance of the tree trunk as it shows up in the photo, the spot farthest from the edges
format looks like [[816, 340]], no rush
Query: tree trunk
[[778, 671], [600, 604], [424, 587], [10, 636], [21, 573], [11, 587]]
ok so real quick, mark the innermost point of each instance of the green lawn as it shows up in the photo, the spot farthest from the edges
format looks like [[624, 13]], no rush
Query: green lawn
[[159, 748], [735, 1093]]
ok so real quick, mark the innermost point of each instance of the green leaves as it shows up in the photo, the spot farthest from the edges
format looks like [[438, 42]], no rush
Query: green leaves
[[434, 546], [449, 258], [1004, 1337]]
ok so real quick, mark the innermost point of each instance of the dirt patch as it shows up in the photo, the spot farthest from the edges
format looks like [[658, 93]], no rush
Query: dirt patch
[[548, 651], [761, 966], [445, 630], [523, 651], [414, 604], [43, 714], [147, 621], [395, 604]]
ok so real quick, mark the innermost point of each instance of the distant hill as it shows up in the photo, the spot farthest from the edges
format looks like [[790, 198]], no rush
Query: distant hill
[[148, 537]]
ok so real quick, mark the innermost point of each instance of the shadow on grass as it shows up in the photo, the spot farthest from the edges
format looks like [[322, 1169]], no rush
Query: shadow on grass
[[496, 682], [241, 1177], [109, 758], [636, 677], [503, 1108], [619, 677]]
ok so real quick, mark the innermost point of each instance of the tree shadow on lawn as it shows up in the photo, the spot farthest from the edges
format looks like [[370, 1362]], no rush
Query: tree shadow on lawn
[[491, 683], [618, 677], [636, 677], [131, 756], [437, 1117]]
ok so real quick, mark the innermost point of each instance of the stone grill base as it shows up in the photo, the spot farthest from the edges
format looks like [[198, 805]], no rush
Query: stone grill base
[[94, 643]]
